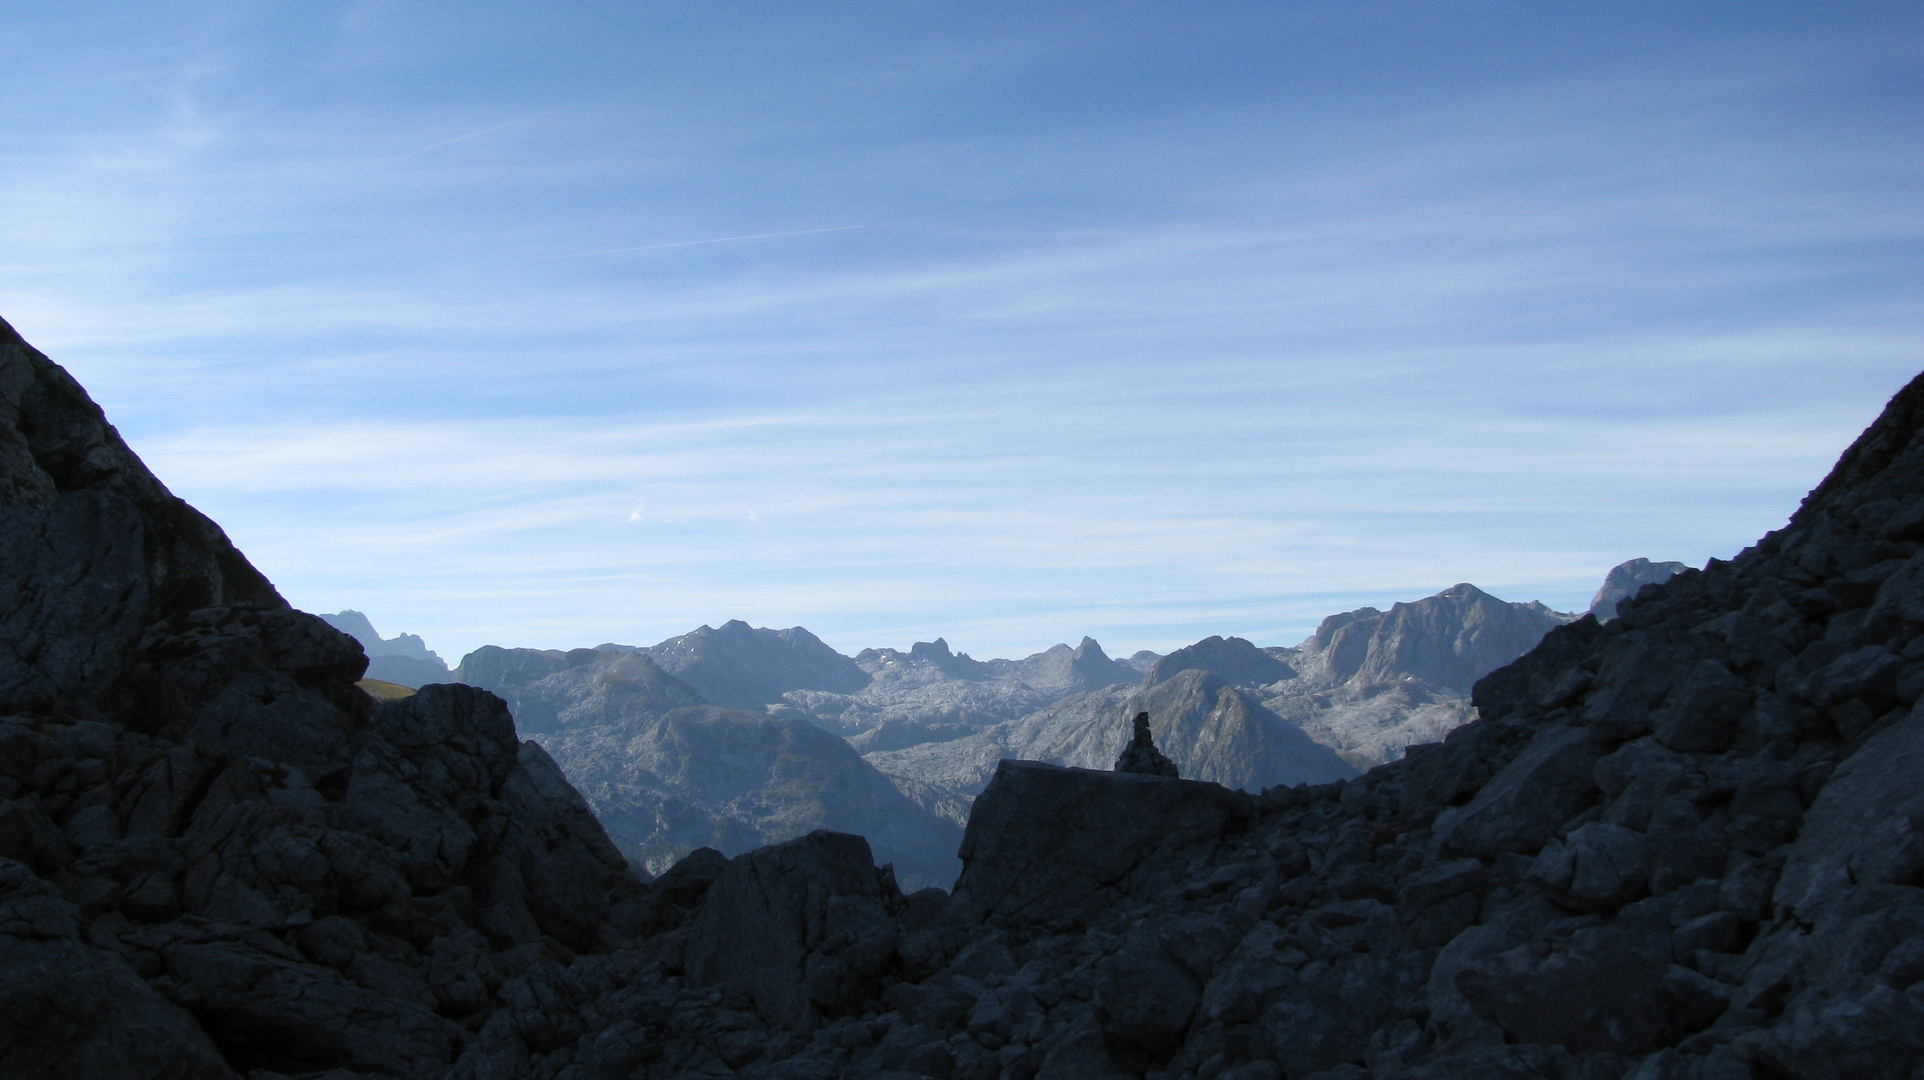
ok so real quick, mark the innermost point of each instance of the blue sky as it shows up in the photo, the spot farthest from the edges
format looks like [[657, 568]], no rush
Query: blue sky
[[544, 324]]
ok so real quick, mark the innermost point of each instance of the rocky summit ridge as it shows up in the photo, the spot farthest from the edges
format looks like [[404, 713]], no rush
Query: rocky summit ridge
[[404, 659], [1684, 844]]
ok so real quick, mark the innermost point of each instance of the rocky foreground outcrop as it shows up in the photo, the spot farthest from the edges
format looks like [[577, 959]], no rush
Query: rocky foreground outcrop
[[217, 855], [1682, 844], [1685, 844]]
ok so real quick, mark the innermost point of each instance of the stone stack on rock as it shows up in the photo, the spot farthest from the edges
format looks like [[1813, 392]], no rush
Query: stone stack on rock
[[1141, 755], [1687, 844]]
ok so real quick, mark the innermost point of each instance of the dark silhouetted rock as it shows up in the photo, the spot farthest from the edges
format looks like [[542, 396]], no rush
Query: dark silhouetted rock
[[67, 1009], [1047, 845], [803, 927], [1141, 755], [217, 855]]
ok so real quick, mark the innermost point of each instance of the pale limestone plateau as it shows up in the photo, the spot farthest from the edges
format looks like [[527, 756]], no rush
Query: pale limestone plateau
[[1686, 843]]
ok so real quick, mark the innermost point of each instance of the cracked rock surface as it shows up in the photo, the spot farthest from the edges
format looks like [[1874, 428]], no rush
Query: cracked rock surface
[[1684, 844]]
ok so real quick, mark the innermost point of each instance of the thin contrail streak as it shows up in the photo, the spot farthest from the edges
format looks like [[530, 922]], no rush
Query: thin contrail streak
[[692, 243], [464, 138]]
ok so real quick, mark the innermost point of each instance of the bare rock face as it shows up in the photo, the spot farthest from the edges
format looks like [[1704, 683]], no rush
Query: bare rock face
[[96, 549], [1210, 729], [1232, 659], [69, 1009], [742, 667], [1048, 845], [805, 928], [666, 772], [217, 855]]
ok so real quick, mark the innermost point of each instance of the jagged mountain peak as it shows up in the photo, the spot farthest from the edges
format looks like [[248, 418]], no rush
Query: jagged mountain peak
[[1060, 669], [1326, 630], [747, 667], [404, 659], [354, 624], [1449, 639], [1235, 659]]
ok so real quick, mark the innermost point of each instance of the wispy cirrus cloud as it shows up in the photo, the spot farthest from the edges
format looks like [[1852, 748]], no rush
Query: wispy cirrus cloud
[[1281, 334]]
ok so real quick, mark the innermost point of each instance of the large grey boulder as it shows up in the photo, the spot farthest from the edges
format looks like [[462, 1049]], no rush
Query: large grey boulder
[[1596, 992], [804, 928], [1625, 580], [1049, 846], [1523, 805]]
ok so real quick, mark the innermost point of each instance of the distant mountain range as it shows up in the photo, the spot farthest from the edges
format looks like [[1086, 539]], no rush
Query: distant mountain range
[[667, 771], [404, 659], [737, 736], [1370, 683]]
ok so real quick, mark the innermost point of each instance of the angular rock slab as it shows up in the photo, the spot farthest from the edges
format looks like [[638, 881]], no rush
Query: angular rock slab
[[1049, 846], [804, 927], [70, 1010]]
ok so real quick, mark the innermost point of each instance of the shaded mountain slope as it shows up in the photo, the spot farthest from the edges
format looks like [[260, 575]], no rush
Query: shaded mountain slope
[[96, 549], [1367, 684], [1060, 669], [1232, 659], [667, 772]]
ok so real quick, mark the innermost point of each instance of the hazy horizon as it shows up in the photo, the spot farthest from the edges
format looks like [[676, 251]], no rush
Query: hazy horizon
[[550, 325], [1113, 651]]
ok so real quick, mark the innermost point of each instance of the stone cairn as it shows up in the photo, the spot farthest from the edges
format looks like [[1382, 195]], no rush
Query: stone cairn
[[1141, 755]]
